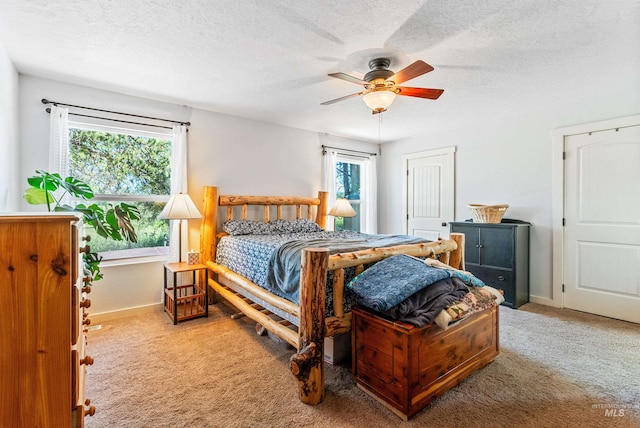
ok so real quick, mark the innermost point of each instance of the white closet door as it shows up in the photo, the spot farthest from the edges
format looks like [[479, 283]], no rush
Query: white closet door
[[602, 223], [430, 193]]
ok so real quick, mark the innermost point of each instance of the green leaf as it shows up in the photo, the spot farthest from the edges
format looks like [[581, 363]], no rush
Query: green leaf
[[77, 188], [92, 266], [94, 217], [130, 210], [35, 196], [123, 212], [112, 221], [90, 212], [101, 227], [95, 208], [45, 181]]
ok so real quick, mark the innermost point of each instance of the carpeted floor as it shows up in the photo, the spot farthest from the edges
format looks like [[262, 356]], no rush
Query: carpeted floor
[[557, 368]]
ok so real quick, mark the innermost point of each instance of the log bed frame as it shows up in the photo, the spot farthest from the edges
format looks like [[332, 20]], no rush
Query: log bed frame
[[303, 326]]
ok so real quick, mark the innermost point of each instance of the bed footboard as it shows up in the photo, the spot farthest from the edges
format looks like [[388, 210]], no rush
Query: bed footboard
[[308, 364]]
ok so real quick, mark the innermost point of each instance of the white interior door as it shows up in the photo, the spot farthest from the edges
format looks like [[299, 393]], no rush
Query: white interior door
[[430, 193], [602, 223]]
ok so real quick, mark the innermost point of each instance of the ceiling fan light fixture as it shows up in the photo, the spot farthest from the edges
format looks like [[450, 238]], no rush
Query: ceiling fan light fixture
[[381, 85], [379, 100]]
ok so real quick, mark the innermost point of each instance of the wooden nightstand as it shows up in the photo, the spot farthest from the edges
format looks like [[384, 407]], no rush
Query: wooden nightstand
[[186, 301]]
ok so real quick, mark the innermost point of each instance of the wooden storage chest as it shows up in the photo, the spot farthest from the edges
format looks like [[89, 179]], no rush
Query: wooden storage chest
[[406, 367]]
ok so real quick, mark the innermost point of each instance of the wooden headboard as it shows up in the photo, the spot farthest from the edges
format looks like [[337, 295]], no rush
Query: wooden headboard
[[211, 200]]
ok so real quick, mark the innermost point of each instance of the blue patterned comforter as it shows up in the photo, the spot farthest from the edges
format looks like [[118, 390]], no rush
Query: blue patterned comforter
[[273, 261]]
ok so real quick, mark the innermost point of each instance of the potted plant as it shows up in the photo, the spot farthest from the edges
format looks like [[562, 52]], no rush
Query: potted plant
[[113, 223]]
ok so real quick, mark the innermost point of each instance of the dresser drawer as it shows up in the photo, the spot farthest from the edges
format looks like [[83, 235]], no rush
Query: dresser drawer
[[497, 278]]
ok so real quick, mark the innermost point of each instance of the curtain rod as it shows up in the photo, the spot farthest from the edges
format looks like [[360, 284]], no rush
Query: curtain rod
[[346, 150], [46, 101], [48, 110]]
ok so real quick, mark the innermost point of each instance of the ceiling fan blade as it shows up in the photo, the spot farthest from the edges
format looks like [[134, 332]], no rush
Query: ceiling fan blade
[[416, 69], [429, 93], [348, 78], [342, 98]]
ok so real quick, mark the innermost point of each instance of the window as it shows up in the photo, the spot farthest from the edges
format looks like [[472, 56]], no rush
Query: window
[[129, 166], [348, 186], [351, 174]]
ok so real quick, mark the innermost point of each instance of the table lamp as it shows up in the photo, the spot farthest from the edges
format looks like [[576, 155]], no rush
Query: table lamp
[[342, 208], [180, 207]]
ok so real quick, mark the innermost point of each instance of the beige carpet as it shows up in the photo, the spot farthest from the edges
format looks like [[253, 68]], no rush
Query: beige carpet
[[557, 368]]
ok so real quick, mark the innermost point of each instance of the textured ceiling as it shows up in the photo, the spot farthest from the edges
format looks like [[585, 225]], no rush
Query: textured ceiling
[[268, 60]]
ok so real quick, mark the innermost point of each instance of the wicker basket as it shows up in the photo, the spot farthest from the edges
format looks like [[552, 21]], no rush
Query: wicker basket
[[487, 213]]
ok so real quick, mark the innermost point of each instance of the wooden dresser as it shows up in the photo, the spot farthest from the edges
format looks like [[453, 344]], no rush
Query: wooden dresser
[[43, 322]]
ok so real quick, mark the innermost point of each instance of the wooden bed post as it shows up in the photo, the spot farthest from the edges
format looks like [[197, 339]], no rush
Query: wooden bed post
[[323, 208], [308, 364], [208, 230], [456, 259], [209, 224]]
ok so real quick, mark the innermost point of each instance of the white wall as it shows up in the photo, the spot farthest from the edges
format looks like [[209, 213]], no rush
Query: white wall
[[249, 157], [238, 155], [507, 160], [9, 194]]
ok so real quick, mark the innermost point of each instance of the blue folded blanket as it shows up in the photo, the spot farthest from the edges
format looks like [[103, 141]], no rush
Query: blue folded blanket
[[392, 280], [424, 306]]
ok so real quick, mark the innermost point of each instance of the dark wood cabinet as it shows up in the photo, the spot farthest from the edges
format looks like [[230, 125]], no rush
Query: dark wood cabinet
[[498, 254]]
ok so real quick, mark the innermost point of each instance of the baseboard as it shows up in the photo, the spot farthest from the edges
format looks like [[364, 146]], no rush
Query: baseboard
[[544, 301], [121, 313]]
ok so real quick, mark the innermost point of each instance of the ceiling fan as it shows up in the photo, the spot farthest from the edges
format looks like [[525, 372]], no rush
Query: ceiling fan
[[381, 84]]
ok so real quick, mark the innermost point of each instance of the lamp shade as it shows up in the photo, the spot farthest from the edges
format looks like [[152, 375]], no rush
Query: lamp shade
[[342, 208], [180, 207], [379, 100]]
